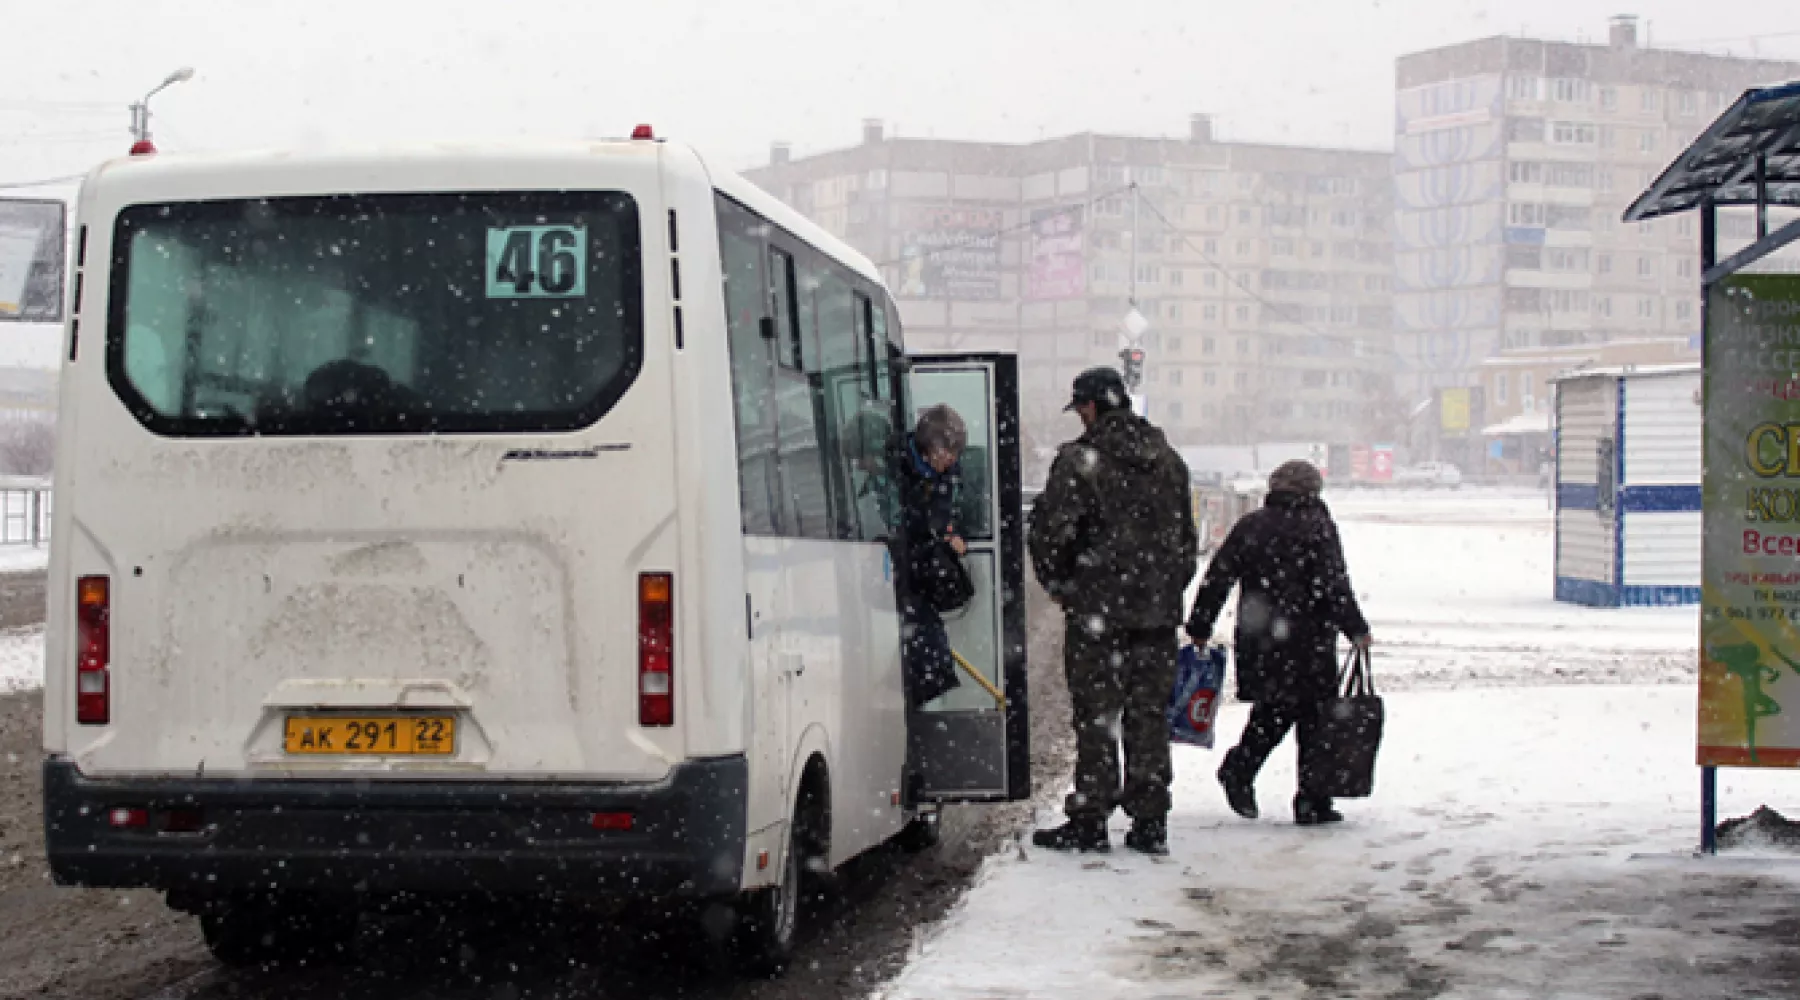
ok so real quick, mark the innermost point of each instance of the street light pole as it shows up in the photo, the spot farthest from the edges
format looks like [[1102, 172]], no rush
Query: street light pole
[[140, 112], [1134, 243]]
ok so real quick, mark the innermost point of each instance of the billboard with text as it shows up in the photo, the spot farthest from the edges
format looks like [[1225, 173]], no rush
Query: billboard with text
[[951, 253]]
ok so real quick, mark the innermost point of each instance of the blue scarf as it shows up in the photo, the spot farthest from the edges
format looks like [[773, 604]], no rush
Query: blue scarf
[[920, 466]]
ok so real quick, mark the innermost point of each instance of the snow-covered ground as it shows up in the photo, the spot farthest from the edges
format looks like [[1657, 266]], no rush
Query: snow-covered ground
[[23, 558], [21, 659], [1530, 835], [1495, 860], [1458, 590]]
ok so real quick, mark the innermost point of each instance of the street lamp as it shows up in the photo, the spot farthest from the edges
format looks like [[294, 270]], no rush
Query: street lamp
[[140, 112]]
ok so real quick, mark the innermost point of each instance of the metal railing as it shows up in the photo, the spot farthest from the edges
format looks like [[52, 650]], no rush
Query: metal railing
[[24, 511]]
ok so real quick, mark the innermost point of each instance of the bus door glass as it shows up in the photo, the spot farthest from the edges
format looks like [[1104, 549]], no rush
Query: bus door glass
[[972, 743]]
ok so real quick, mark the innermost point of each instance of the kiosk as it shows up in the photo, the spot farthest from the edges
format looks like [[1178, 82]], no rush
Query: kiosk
[[1750, 562], [1628, 486]]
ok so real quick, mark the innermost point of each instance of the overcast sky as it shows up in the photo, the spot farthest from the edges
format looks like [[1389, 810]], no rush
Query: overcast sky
[[732, 75]]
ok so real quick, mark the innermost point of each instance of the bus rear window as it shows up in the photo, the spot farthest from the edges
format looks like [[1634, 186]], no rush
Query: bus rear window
[[376, 314]]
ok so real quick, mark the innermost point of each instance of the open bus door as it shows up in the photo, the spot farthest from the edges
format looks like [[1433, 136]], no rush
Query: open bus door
[[973, 744]]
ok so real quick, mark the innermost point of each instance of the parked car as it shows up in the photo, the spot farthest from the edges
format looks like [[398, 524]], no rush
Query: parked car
[[1436, 475]]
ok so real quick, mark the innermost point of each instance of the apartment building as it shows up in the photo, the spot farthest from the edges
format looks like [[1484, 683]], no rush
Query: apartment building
[[1514, 160], [1262, 272]]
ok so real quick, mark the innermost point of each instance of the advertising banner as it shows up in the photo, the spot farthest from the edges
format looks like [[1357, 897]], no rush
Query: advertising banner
[[1750, 564], [1381, 463], [1454, 410], [951, 253], [1057, 269], [32, 241]]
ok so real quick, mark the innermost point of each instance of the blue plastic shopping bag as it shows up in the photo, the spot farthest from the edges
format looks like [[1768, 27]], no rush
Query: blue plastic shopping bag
[[1194, 704]]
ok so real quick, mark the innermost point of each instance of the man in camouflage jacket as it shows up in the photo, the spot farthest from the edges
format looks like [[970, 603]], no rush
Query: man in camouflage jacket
[[1113, 541]]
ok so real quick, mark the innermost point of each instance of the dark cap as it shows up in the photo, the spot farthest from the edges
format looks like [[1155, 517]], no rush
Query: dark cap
[[1104, 386]]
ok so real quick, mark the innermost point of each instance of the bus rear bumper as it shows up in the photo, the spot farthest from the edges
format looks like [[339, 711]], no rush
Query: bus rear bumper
[[202, 839]]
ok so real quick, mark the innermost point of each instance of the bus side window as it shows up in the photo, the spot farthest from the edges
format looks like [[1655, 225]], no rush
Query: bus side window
[[865, 429], [752, 381], [892, 374], [781, 307], [803, 464], [876, 346], [835, 389]]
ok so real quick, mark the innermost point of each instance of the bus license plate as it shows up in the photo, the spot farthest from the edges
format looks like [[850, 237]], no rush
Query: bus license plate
[[371, 735]]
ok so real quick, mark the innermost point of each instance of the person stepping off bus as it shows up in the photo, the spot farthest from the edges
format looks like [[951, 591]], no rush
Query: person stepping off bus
[[1112, 539]]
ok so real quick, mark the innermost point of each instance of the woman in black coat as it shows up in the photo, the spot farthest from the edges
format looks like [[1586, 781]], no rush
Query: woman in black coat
[[928, 472], [1294, 601], [906, 494]]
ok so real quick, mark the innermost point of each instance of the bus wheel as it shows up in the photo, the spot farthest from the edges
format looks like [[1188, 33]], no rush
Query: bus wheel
[[261, 930], [769, 919], [921, 833]]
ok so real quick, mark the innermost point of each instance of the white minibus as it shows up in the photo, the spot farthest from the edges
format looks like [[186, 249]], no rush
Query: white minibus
[[466, 521]]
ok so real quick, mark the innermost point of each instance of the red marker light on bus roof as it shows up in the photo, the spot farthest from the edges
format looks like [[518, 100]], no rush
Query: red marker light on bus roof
[[643, 132], [143, 147]]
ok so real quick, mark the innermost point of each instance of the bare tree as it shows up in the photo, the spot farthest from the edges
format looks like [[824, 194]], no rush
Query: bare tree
[[27, 446]]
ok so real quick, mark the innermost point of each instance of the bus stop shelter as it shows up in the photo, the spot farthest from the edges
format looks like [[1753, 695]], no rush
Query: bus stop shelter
[[1750, 577]]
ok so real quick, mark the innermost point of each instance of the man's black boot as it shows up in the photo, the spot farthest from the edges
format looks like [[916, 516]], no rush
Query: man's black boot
[[1315, 812], [1075, 835], [1239, 793], [1149, 836]]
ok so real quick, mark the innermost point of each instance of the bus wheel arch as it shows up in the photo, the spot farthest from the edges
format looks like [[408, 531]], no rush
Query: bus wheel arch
[[812, 817], [769, 919]]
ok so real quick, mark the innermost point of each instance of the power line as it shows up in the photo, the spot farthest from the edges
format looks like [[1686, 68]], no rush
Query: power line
[[1281, 310], [64, 107], [1025, 224], [92, 135], [1733, 38], [46, 182]]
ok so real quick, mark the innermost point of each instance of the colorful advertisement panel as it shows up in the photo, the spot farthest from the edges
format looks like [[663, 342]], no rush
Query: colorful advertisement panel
[[1750, 574], [1057, 269], [1381, 463]]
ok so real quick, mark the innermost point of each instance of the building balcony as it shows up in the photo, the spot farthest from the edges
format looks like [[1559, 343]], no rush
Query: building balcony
[[1568, 237], [1533, 278]]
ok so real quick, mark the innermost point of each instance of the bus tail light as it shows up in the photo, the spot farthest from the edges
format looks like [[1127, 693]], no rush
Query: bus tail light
[[612, 822], [93, 657], [656, 649]]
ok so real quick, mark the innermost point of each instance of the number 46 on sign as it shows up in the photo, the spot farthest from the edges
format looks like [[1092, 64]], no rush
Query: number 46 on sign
[[536, 262]]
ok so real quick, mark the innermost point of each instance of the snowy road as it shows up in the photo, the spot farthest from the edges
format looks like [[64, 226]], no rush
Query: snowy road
[[1527, 762]]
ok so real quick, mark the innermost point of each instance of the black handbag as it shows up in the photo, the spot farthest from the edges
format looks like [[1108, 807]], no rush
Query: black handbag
[[945, 582], [1350, 726]]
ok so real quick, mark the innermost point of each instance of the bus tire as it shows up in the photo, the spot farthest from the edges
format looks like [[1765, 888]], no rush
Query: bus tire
[[922, 833], [768, 920]]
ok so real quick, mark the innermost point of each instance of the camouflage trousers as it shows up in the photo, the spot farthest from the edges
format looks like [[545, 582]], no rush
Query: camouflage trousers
[[1119, 684]]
